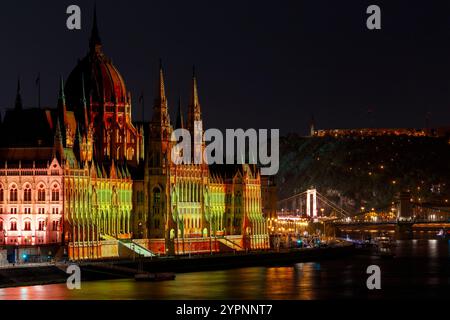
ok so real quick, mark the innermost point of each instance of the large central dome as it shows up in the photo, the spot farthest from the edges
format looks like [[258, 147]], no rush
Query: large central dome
[[103, 83], [97, 95]]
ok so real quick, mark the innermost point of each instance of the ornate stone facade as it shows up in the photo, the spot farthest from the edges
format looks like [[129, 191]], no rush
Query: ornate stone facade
[[31, 203], [82, 176]]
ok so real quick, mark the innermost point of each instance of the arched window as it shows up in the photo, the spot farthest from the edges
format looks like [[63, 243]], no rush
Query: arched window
[[27, 194], [41, 224], [13, 226], [41, 193], [1, 225], [156, 196], [13, 194], [55, 193], [156, 200], [238, 198], [94, 196], [1, 194], [27, 226], [130, 154]]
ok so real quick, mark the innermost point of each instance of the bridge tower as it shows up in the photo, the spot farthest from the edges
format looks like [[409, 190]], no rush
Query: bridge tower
[[404, 206], [312, 193], [403, 230]]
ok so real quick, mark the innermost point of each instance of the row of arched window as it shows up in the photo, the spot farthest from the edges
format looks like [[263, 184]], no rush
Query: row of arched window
[[27, 225], [27, 193]]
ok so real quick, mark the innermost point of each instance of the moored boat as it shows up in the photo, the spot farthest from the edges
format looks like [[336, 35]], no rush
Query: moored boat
[[383, 247]]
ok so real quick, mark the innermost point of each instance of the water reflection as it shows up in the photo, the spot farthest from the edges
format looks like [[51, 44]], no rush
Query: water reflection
[[433, 248], [420, 269]]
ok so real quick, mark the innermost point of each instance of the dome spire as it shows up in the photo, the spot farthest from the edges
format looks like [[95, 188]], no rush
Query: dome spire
[[95, 42], [18, 104]]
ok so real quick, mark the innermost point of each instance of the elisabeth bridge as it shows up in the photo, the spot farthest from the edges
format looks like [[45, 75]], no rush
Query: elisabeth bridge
[[403, 216]]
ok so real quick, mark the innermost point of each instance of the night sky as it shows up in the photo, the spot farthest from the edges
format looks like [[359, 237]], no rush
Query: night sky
[[260, 64]]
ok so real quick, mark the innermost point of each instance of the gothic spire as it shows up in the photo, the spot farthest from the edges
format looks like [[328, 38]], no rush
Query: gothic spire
[[194, 95], [58, 134], [160, 113], [18, 104], [194, 111], [84, 102], [180, 120], [160, 118], [62, 101], [61, 96], [161, 90], [58, 140], [95, 42]]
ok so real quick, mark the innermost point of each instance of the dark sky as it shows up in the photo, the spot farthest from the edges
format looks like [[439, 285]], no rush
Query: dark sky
[[260, 64]]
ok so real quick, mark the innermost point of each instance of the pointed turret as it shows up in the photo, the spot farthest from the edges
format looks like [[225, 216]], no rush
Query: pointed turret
[[160, 110], [160, 99], [194, 110], [58, 135], [180, 121], [95, 43], [79, 146], [84, 103], [112, 170], [58, 140], [62, 108], [18, 105], [194, 96], [195, 124]]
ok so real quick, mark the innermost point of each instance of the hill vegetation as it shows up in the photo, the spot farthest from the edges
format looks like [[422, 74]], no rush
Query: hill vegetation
[[365, 171]]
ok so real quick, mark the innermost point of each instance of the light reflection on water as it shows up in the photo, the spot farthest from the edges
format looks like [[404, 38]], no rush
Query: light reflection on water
[[420, 269]]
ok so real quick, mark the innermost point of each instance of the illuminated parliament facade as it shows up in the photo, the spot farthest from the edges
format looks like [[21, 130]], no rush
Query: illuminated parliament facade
[[84, 181]]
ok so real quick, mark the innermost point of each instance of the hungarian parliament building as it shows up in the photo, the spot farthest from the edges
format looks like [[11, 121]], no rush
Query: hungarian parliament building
[[83, 181]]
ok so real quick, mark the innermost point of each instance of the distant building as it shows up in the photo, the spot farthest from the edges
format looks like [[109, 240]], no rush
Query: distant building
[[379, 132], [371, 132]]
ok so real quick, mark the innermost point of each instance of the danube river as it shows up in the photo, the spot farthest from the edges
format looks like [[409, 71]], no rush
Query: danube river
[[420, 269]]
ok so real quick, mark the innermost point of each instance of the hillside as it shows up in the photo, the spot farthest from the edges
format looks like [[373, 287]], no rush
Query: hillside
[[365, 171]]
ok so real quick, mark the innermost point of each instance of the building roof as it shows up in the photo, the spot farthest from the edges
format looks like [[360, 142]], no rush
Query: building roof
[[25, 128], [26, 154]]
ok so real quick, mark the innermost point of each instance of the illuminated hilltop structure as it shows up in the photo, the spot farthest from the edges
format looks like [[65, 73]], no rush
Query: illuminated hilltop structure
[[379, 132]]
